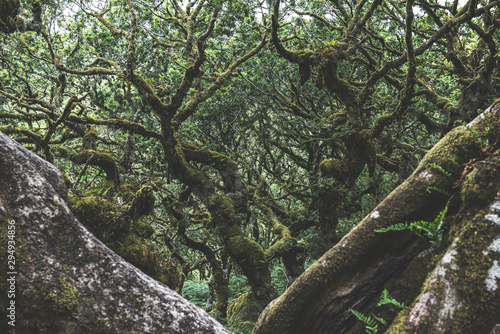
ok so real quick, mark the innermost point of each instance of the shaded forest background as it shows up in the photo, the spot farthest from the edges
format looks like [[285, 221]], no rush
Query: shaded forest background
[[222, 149]]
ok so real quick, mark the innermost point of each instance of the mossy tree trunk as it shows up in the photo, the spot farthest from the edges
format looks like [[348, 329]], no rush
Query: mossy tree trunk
[[452, 287], [64, 279]]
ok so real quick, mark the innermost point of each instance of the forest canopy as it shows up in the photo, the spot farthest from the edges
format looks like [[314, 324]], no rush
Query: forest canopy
[[223, 146]]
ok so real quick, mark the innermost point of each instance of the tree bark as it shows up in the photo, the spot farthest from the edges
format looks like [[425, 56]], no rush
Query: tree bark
[[64, 280], [451, 288]]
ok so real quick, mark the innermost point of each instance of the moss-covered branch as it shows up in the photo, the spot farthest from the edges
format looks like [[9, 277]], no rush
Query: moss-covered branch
[[101, 160], [227, 168], [117, 123], [112, 28]]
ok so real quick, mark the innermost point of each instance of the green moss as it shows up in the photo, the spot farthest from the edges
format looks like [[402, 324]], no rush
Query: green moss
[[285, 242], [127, 191], [90, 138], [480, 185], [142, 254], [99, 215], [338, 118], [473, 240], [244, 310], [135, 250], [244, 249], [472, 234], [222, 208], [64, 296], [67, 180], [337, 168], [452, 151], [247, 253], [359, 152], [112, 224]]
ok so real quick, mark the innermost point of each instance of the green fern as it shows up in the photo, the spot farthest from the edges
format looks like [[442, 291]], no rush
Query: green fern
[[395, 227], [481, 138], [441, 169], [431, 231], [386, 299], [379, 319], [371, 323], [439, 190]]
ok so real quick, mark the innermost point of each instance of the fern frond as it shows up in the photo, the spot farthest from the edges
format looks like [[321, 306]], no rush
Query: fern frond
[[384, 295], [395, 227], [422, 226], [372, 329], [440, 217], [439, 190], [381, 320], [427, 230], [386, 299], [441, 169], [369, 321]]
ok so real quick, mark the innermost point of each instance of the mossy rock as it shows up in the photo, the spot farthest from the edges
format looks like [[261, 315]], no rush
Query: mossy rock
[[63, 297]]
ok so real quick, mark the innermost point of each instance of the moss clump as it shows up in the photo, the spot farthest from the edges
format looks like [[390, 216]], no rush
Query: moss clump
[[64, 296], [285, 243], [99, 159], [338, 118], [143, 203], [244, 310], [89, 141], [99, 215], [242, 247], [359, 152], [120, 228], [480, 185], [127, 191], [222, 209], [250, 257], [456, 148], [336, 168], [282, 246]]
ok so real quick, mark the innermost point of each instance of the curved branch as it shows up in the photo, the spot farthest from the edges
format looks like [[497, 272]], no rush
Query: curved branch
[[118, 123], [99, 159]]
